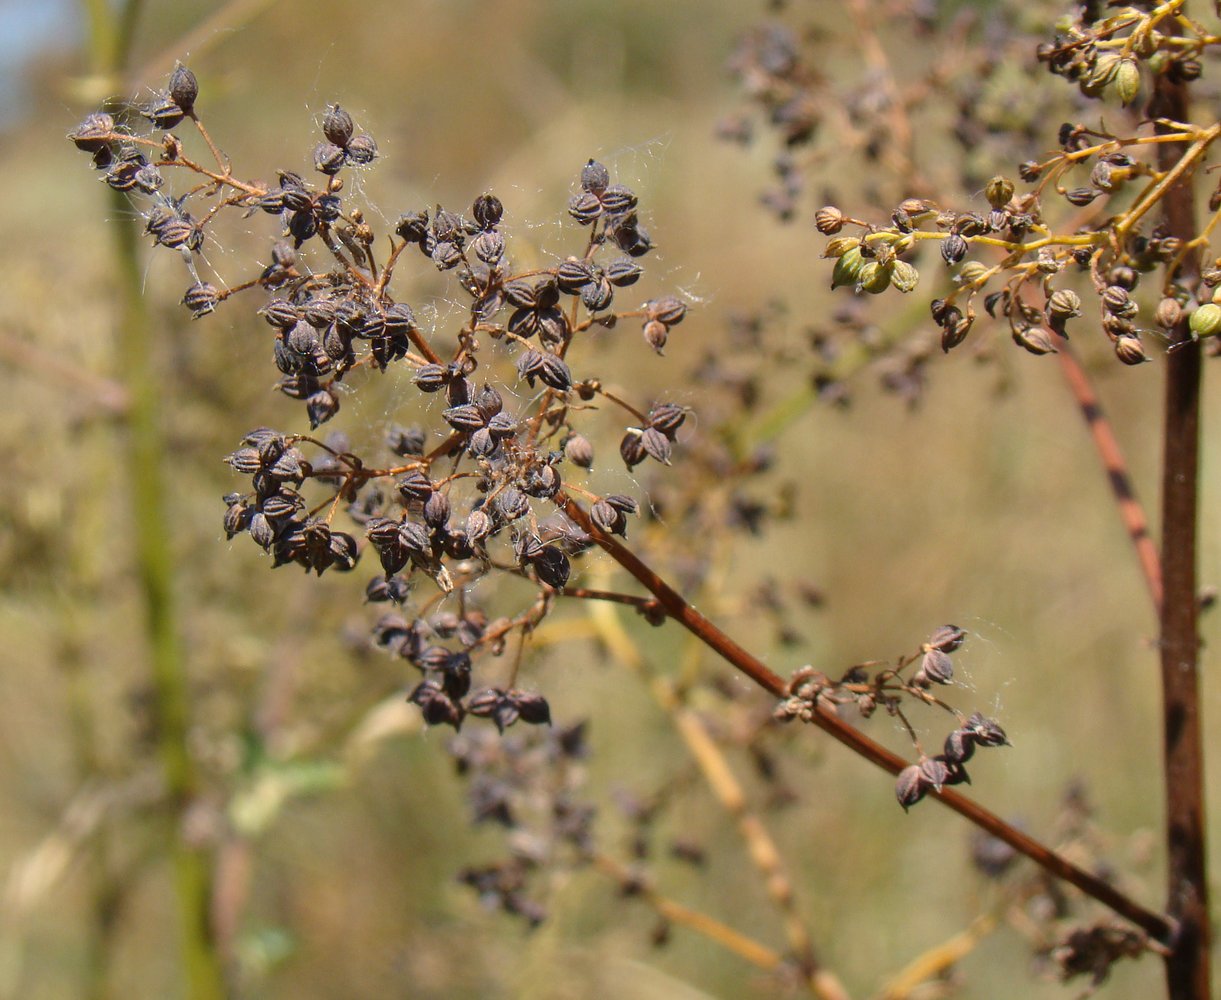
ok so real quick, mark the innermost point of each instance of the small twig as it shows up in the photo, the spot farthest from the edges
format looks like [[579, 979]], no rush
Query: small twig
[[1155, 924], [1131, 512], [745, 947]]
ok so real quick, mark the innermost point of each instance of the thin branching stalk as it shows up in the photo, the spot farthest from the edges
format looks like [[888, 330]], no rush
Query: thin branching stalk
[[1155, 924], [1131, 511]]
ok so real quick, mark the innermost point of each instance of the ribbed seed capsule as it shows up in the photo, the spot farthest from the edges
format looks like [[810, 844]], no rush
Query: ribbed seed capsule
[[1206, 320], [337, 125], [183, 88]]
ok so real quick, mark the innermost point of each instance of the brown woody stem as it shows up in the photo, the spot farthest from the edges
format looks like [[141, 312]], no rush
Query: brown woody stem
[[677, 608], [1187, 965]]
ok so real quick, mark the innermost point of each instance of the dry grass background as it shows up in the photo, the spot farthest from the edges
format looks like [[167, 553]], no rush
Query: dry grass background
[[984, 507]]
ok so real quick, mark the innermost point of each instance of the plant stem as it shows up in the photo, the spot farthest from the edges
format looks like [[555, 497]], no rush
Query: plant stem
[[1131, 512], [136, 354], [135, 349], [1187, 965], [677, 608]]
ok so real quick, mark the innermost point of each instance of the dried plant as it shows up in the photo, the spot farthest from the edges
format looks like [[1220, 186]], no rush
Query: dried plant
[[480, 510]]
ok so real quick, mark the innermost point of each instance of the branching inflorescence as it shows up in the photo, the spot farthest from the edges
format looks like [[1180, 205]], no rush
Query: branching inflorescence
[[1019, 263], [482, 491], [478, 491]]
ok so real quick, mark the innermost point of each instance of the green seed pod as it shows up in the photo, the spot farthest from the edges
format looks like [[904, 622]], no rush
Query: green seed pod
[[998, 191], [904, 276], [971, 272], [873, 278], [1102, 74], [847, 267], [1206, 320], [1125, 84], [840, 246]]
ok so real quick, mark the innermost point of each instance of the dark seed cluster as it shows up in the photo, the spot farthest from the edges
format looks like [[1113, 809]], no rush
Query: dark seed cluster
[[891, 689], [478, 486]]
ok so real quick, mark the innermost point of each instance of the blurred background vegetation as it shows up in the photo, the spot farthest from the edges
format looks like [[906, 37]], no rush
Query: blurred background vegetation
[[984, 506]]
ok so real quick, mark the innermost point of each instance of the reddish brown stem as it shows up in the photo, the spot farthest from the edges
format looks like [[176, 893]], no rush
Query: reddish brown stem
[[1130, 510], [1187, 965], [677, 608]]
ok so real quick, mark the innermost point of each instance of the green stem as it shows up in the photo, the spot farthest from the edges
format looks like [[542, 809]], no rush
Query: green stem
[[136, 362]]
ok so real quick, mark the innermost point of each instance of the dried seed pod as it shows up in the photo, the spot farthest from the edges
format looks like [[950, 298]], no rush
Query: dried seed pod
[[328, 158], [959, 746], [986, 732], [543, 482], [656, 334], [478, 525], [201, 298], [337, 125], [1082, 196], [1033, 340], [910, 786], [1115, 299], [579, 451], [554, 372], [829, 220], [1063, 305], [430, 378], [936, 667], [183, 88], [572, 274], [362, 149], [631, 449], [1168, 313], [595, 178], [608, 518], [487, 211], [502, 425], [321, 407], [413, 486], [934, 772], [953, 249], [415, 538], [668, 310], [532, 707], [94, 133], [947, 638], [164, 113], [617, 199], [512, 503], [1129, 349], [465, 417], [436, 510], [656, 445], [597, 295], [489, 247], [552, 567], [667, 418], [413, 227], [585, 207], [623, 271]]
